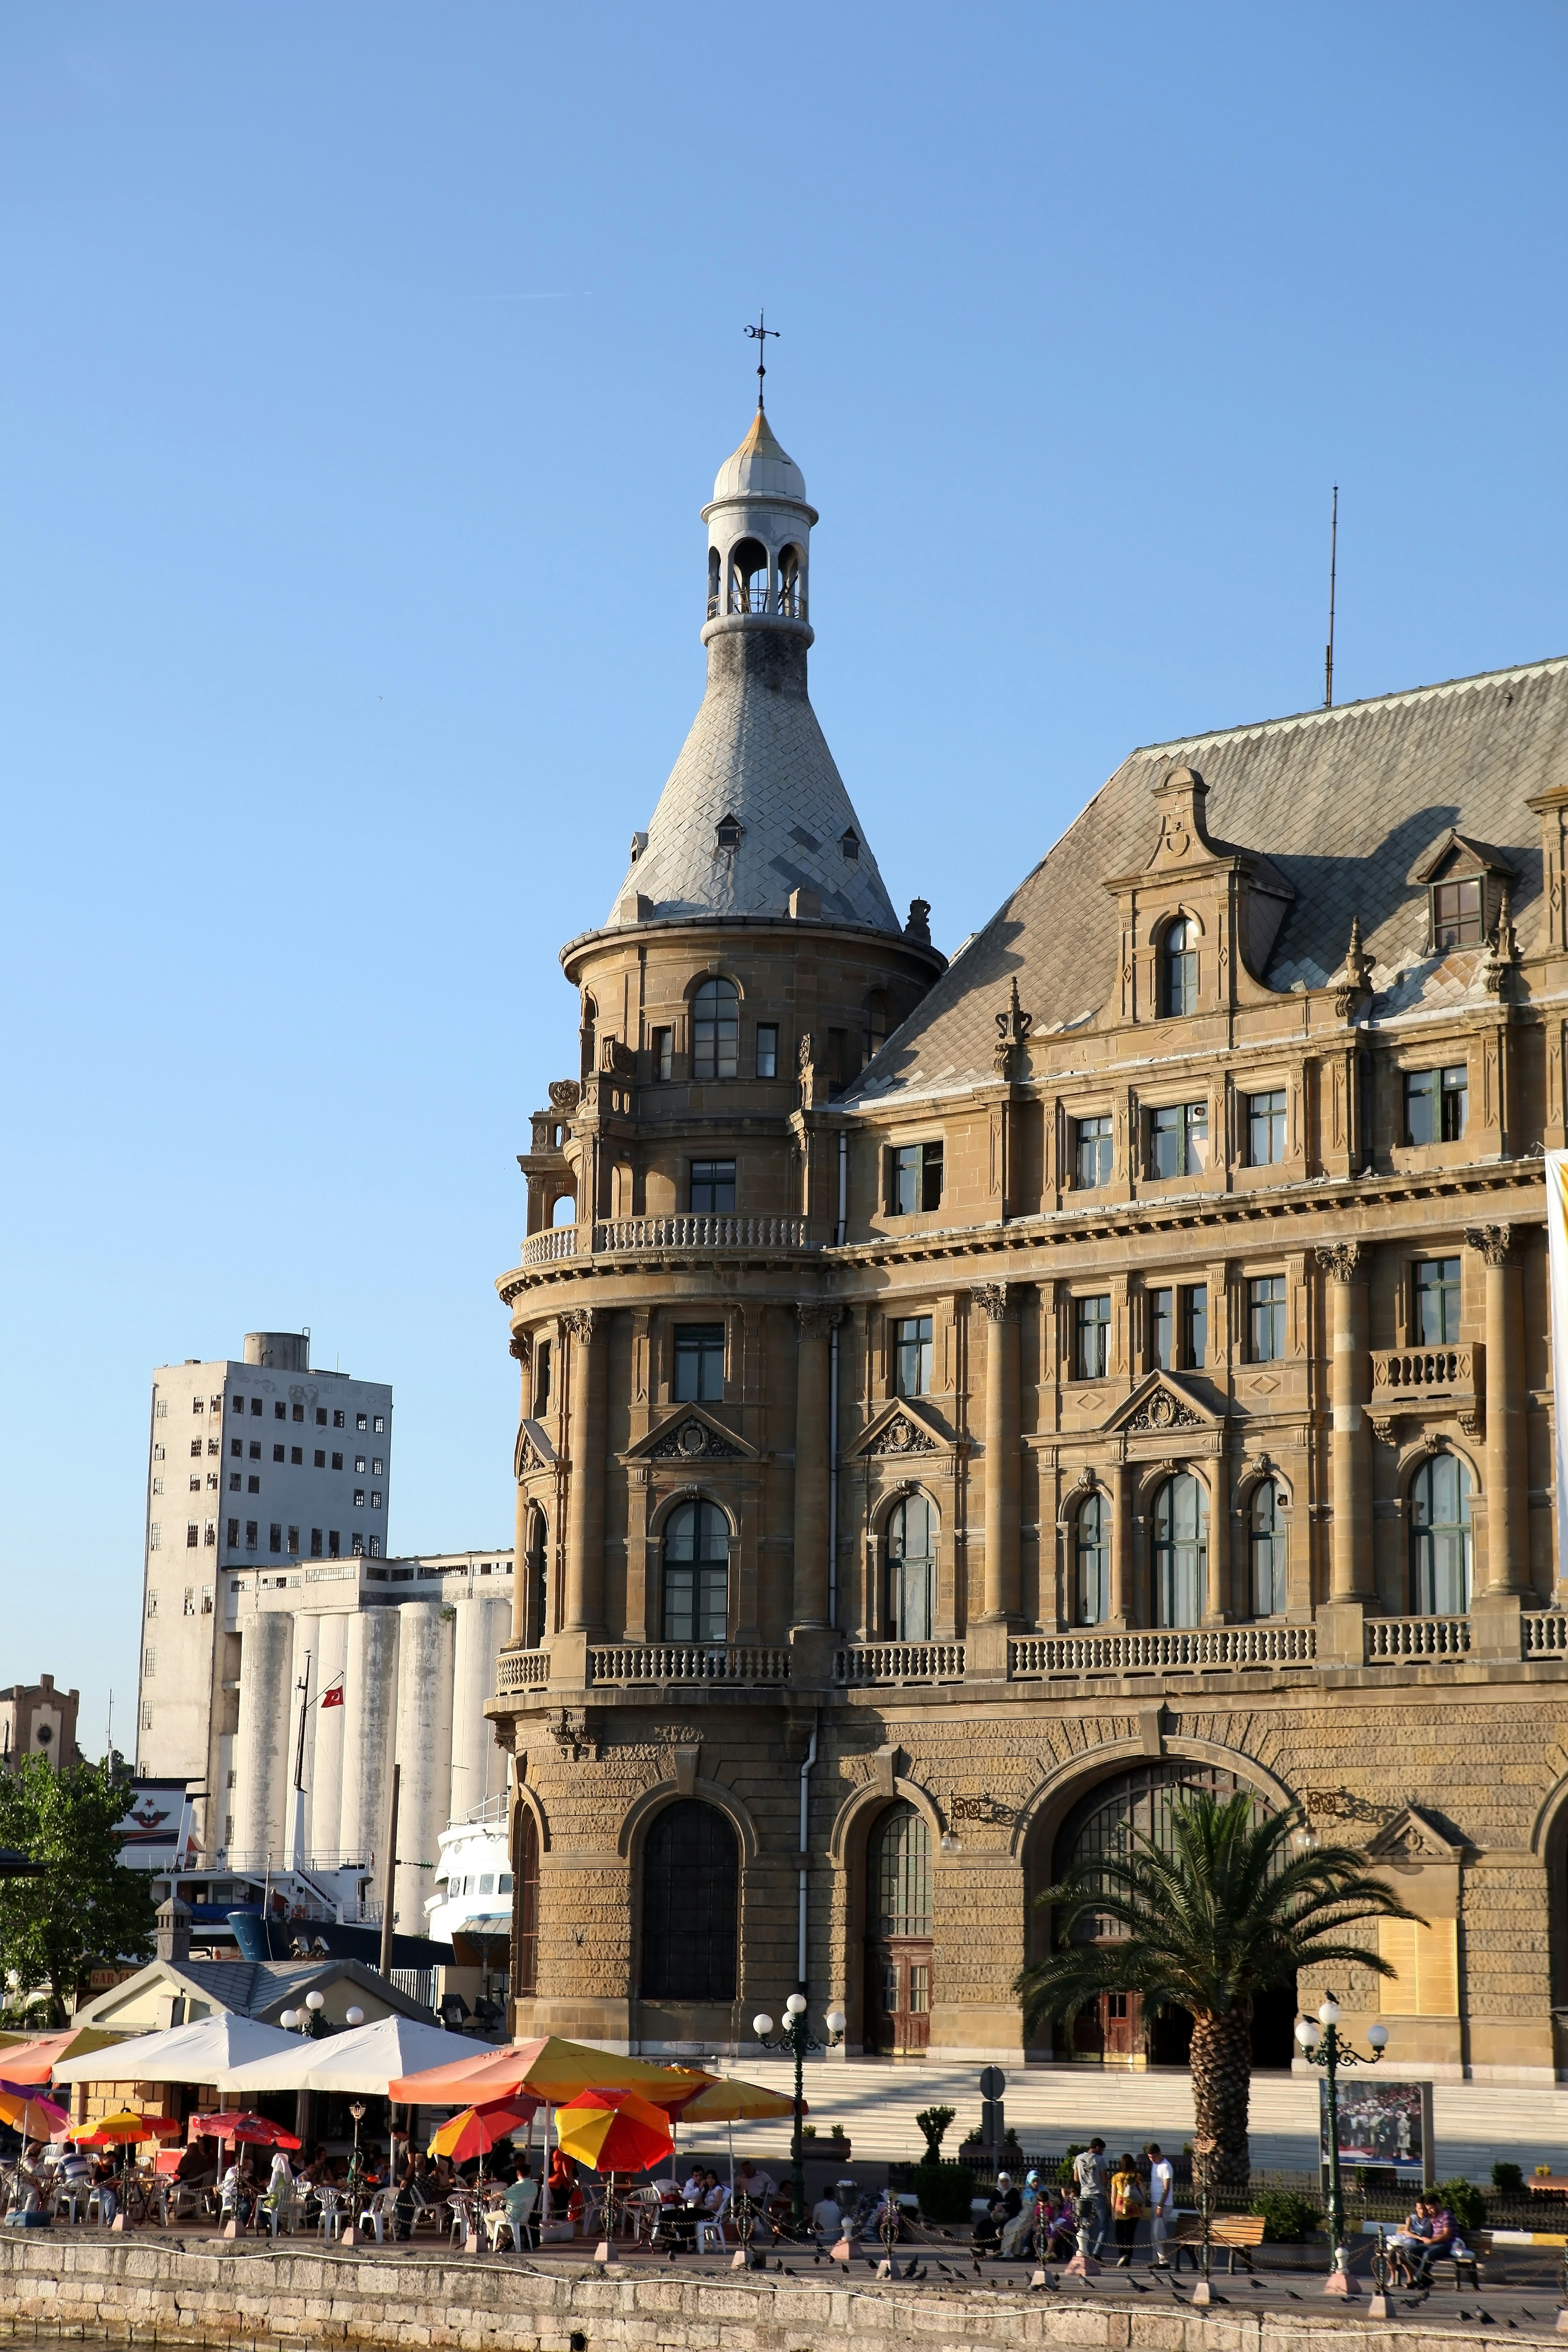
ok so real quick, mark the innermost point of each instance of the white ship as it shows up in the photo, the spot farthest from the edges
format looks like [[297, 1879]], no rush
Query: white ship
[[472, 1904]]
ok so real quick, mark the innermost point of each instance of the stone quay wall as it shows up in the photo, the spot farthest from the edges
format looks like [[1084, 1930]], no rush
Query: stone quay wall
[[167, 2294]]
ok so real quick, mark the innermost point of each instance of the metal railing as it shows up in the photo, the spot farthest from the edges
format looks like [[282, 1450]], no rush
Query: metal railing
[[687, 1662], [1031, 1656], [1417, 1637], [620, 1237], [1545, 1632], [522, 1670], [899, 1661]]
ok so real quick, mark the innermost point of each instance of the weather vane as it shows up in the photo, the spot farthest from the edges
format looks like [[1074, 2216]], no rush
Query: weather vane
[[759, 334]]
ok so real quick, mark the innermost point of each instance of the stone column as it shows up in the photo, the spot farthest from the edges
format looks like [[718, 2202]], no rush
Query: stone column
[[522, 1349], [1507, 1501], [1350, 1444], [588, 1330], [998, 1302], [1216, 1587], [1125, 1547], [813, 1466]]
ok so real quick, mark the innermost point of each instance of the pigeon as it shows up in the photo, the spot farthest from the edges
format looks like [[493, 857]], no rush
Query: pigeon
[[1256, 2285], [1485, 2319], [1292, 2293]]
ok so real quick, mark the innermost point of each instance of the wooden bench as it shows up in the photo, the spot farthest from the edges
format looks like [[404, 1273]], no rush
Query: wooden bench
[[1229, 2234]]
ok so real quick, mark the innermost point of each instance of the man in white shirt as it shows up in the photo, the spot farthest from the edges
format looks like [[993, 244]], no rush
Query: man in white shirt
[[1161, 2202], [827, 2219], [1093, 2204], [751, 2182]]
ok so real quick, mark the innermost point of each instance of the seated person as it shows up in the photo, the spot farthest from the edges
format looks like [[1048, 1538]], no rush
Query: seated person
[[696, 2185], [1444, 2239], [1409, 2244], [519, 2197], [827, 2219], [1017, 2234], [1002, 2207]]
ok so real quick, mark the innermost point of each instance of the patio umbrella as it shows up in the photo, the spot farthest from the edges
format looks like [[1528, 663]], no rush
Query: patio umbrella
[[729, 2101], [614, 2131], [551, 2069], [365, 2059], [34, 2057], [256, 2131], [203, 2052], [123, 2128], [476, 2130], [28, 2111]]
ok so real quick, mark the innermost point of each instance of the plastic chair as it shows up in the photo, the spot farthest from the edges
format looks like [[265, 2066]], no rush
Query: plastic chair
[[709, 2234], [375, 2213]]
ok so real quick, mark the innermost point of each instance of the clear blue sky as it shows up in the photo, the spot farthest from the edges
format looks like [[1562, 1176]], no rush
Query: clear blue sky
[[364, 370]]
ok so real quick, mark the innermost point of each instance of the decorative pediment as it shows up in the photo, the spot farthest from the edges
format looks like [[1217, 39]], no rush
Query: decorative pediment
[[533, 1451], [689, 1434], [1454, 856], [1411, 1837], [901, 1430], [1162, 1406]]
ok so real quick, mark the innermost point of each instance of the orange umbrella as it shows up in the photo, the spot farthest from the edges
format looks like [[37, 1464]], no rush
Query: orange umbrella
[[123, 2128], [551, 2069], [476, 2130], [32, 2058], [729, 2101], [614, 2131]]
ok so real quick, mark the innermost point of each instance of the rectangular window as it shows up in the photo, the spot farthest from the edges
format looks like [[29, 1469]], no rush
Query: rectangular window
[[189, 1608], [1195, 1327], [196, 1406], [195, 1482], [297, 1455], [321, 1458], [912, 1356], [256, 1405], [215, 1405], [337, 1421], [380, 1424], [195, 1449], [334, 1544], [193, 1534], [157, 1486], [1266, 1318], [1436, 1103], [1095, 1147], [1425, 1963], [1436, 1300], [337, 1461], [712, 1186], [699, 1363], [661, 1052], [209, 1533], [315, 1543], [298, 1412], [359, 1420], [359, 1498], [1457, 915], [275, 1537], [767, 1049], [206, 1600], [278, 1453], [293, 1543], [214, 1446], [914, 1179], [232, 1539], [253, 1485], [374, 1500], [1265, 1128], [157, 1454], [1091, 1337], [146, 1715], [320, 1416], [279, 1412], [1163, 1328], [358, 1546], [236, 1449], [359, 1466], [1179, 1140], [541, 1380], [239, 1404], [254, 1452], [250, 1535], [160, 1409], [376, 1465], [838, 1070], [375, 1547], [152, 1603]]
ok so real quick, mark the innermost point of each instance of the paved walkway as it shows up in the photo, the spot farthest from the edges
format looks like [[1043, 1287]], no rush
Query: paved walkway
[[1477, 2123]]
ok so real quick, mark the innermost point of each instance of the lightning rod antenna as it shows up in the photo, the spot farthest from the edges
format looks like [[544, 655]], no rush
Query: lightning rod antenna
[[1334, 564]]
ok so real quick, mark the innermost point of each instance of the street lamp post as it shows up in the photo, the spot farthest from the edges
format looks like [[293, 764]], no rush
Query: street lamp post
[[794, 2035], [1319, 2041]]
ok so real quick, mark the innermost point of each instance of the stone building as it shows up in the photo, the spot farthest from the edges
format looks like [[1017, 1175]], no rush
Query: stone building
[[36, 1719], [962, 1402]]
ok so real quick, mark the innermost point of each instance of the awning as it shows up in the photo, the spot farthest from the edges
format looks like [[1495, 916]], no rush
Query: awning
[[202, 2052], [365, 2059]]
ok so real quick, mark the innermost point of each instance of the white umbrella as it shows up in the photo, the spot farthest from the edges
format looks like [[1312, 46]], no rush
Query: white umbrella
[[203, 2052], [365, 2059]]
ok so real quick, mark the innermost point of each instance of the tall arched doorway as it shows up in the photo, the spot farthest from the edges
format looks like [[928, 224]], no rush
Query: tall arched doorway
[[1115, 2032], [899, 1933], [525, 1903], [690, 1903]]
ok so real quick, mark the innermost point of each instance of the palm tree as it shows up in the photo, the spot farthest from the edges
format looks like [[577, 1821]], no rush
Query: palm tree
[[1231, 1904]]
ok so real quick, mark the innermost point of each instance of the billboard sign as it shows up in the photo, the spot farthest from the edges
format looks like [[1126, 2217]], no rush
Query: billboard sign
[[1380, 2123]]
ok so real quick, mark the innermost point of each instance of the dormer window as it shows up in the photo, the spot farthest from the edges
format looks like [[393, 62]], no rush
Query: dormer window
[[1457, 916], [1179, 968], [729, 831], [849, 843]]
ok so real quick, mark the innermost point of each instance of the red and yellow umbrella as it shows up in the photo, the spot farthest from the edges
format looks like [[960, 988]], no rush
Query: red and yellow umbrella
[[28, 2111], [614, 2131], [256, 2131], [124, 2127], [475, 2131]]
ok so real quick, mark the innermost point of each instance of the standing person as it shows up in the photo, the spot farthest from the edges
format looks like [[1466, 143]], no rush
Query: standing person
[[1162, 2203], [1126, 2208], [1093, 2205]]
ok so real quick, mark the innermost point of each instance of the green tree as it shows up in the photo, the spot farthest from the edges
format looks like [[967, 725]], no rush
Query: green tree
[[1230, 1904], [86, 1910]]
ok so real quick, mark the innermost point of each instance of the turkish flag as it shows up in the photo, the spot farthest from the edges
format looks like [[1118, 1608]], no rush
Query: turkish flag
[[333, 1697]]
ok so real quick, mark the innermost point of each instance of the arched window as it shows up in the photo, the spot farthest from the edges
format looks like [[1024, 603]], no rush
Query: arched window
[[690, 1903], [536, 1598], [748, 576], [525, 1911], [1440, 1537], [565, 1212], [696, 1574], [713, 582], [1093, 1600], [900, 1879], [876, 1020], [898, 1932], [1266, 1541], [1181, 1551], [911, 1569], [716, 1030], [1179, 968], [792, 586]]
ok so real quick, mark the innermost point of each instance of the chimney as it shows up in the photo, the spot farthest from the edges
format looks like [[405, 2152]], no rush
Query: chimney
[[171, 1934]]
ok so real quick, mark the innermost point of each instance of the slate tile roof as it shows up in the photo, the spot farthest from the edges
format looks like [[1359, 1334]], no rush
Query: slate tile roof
[[1344, 802]]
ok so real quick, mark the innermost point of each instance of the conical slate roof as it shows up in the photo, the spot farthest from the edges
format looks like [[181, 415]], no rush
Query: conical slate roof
[[756, 755]]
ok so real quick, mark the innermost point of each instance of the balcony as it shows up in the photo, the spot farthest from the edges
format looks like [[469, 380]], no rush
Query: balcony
[[1035, 1657], [1421, 1379], [518, 1670], [682, 1662], [1417, 1637], [686, 1235], [867, 1662]]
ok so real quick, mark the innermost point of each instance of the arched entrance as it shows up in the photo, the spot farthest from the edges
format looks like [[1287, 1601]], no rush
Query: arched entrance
[[1115, 2032], [899, 1933]]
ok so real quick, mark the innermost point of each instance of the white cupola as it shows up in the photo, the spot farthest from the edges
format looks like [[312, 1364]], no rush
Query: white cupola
[[759, 533]]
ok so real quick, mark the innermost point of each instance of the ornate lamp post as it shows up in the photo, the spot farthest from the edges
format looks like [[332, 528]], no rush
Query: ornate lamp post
[[1319, 2041], [795, 2036]]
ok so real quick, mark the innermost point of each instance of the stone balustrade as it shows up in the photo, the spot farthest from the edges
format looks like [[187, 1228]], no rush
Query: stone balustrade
[[522, 1670], [630, 1236], [1545, 1632], [1407, 1378], [687, 1662], [1031, 1657], [863, 1663], [1417, 1637]]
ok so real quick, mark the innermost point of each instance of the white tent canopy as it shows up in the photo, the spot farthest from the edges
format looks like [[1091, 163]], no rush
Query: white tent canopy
[[366, 2059], [203, 2052]]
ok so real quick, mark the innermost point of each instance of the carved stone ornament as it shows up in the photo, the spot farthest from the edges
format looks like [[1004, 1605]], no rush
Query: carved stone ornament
[[817, 1321], [901, 1436], [1495, 1243], [980, 1809], [1013, 1029], [565, 1094], [578, 1322], [616, 1060], [806, 1053], [1411, 1837], [1340, 1261], [1500, 964], [693, 1441], [520, 1347], [1163, 1411], [574, 1737], [997, 1301], [1356, 984]]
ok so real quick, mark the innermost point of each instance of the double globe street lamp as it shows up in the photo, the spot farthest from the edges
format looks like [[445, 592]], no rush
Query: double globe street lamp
[[795, 2036], [1319, 2038]]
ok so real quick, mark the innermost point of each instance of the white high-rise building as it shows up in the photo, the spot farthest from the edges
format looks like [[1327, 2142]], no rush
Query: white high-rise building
[[264, 1465]]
